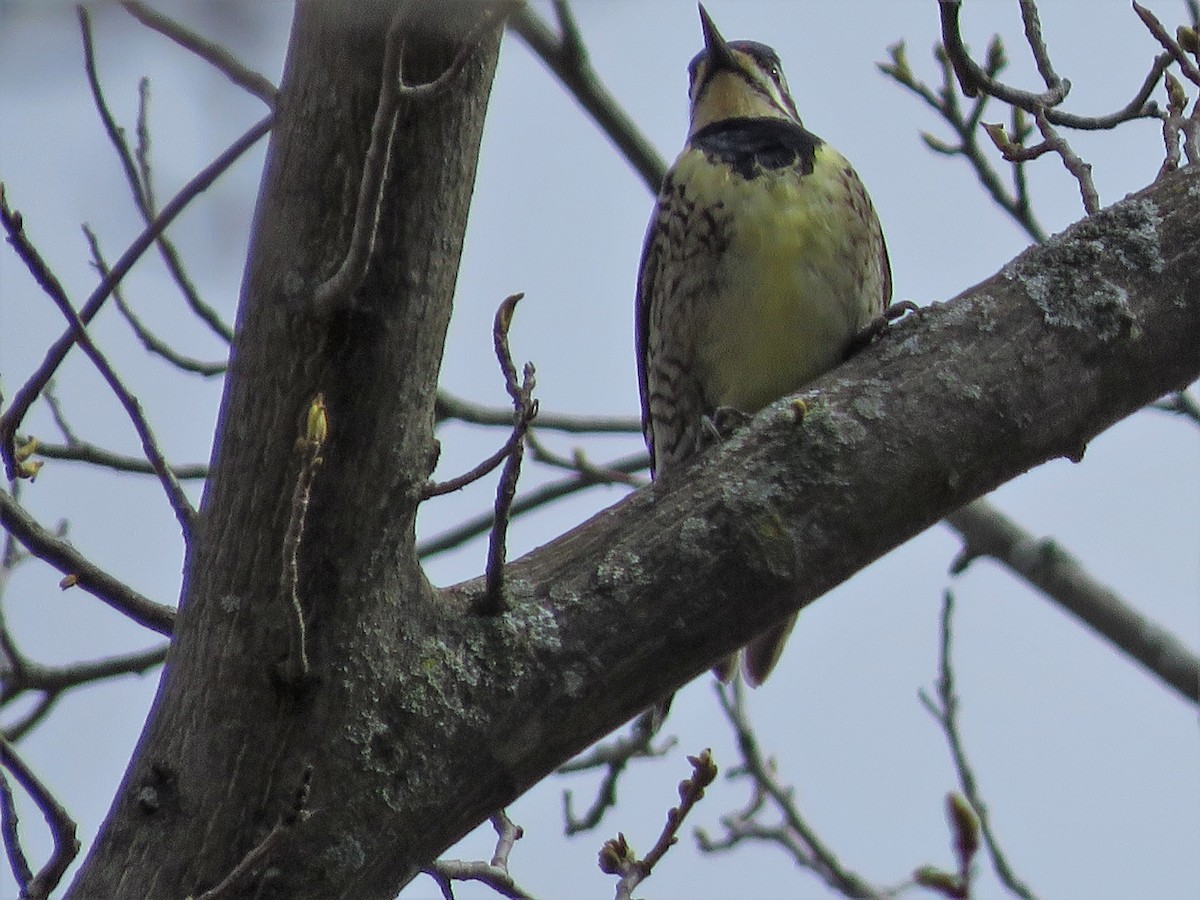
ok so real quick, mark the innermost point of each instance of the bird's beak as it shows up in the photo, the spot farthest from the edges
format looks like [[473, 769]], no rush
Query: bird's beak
[[715, 48]]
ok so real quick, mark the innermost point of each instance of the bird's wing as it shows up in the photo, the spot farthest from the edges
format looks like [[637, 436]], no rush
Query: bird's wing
[[647, 273]]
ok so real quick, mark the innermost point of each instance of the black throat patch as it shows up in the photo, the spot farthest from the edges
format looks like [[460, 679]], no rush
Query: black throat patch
[[751, 146]]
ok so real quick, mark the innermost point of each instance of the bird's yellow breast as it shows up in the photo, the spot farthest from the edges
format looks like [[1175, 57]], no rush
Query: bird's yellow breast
[[798, 275]]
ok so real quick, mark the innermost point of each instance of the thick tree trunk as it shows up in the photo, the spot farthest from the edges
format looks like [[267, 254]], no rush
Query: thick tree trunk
[[225, 747], [424, 717]]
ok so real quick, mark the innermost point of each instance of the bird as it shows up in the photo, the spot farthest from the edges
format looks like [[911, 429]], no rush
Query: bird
[[764, 262]]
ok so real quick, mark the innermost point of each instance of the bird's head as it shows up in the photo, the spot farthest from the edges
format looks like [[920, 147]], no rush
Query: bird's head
[[736, 79]]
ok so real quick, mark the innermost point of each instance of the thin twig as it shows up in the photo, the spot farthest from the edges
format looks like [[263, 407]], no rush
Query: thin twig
[[945, 711], [149, 340], [214, 54], [182, 507], [491, 601], [796, 835], [565, 57], [55, 679], [538, 497], [50, 395], [142, 152], [1168, 42], [10, 827], [58, 553], [618, 858], [23, 399], [494, 873], [944, 101], [578, 462], [613, 757], [1033, 36], [90, 454], [16, 731], [1071, 160], [137, 173], [337, 292], [974, 79], [58, 820], [448, 406], [438, 488]]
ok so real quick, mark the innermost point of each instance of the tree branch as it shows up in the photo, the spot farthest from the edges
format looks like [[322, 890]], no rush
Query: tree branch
[[58, 553], [60, 823], [945, 711], [986, 531], [182, 507], [137, 174], [565, 57], [11, 420], [212, 53]]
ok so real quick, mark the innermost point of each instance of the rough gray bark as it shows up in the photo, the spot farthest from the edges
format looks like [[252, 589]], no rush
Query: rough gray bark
[[423, 717], [226, 744]]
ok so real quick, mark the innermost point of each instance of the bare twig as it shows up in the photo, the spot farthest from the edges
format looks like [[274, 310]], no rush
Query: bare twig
[[337, 291], [491, 601], [10, 827], [1071, 160], [137, 173], [945, 711], [578, 462], [55, 679], [298, 812], [448, 406], [58, 553], [16, 731], [986, 531], [565, 57], [214, 54], [12, 223], [1168, 42], [438, 488], [60, 418], [84, 452], [944, 101], [11, 420], [60, 823], [494, 873], [536, 498], [1176, 124], [618, 858], [973, 80], [794, 834], [613, 757], [150, 341]]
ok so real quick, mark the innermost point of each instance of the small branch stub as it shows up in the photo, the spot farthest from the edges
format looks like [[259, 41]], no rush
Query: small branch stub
[[491, 602], [316, 430]]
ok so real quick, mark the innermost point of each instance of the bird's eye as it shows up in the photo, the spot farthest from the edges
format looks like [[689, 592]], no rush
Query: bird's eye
[[776, 74]]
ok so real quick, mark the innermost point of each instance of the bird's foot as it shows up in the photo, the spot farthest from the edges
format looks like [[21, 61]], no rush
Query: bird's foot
[[880, 325], [723, 423]]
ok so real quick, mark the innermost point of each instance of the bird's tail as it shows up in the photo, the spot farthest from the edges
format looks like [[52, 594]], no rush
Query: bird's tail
[[759, 656]]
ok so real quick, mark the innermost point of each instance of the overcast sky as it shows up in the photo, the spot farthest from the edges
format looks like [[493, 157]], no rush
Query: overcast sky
[[1090, 767]]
